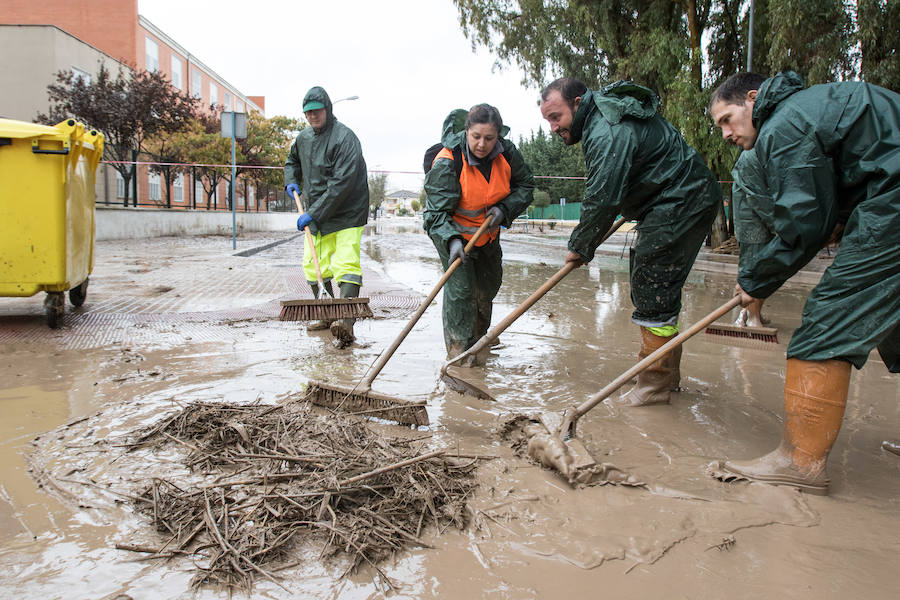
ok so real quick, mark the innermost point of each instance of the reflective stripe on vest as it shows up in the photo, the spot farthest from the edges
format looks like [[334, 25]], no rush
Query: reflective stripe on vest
[[478, 195]]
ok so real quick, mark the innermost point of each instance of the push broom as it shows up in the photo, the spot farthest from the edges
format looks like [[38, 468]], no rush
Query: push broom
[[360, 399], [327, 309], [567, 454]]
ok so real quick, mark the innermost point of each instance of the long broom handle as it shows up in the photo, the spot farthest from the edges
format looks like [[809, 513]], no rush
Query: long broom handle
[[312, 247], [366, 383], [520, 310], [653, 357]]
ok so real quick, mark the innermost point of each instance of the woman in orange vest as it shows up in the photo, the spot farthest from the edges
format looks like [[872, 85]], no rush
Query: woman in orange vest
[[478, 174]]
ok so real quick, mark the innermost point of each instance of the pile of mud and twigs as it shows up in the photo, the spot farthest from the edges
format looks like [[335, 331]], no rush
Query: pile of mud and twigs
[[265, 478]]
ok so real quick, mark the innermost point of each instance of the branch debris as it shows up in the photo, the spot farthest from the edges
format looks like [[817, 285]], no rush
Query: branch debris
[[273, 478]]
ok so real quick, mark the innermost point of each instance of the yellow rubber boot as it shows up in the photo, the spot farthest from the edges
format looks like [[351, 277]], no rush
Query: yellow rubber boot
[[815, 396]]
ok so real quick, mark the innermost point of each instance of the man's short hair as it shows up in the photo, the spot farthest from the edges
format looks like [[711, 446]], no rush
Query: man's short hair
[[734, 90], [568, 87]]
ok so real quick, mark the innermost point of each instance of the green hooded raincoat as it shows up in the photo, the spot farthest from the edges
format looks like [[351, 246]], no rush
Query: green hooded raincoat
[[475, 283], [829, 155], [640, 167], [329, 167]]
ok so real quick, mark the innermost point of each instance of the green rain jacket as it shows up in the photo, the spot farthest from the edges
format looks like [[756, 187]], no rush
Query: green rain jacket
[[636, 161], [827, 151], [443, 189], [331, 170], [754, 222]]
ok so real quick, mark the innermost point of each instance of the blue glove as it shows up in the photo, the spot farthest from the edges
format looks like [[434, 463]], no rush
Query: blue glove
[[456, 250], [291, 188], [302, 221], [496, 213]]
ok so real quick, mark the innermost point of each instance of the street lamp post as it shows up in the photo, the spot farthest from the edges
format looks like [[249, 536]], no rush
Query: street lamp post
[[342, 99]]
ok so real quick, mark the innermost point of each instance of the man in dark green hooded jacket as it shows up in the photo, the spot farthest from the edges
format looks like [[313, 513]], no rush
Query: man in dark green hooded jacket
[[830, 162], [640, 167], [326, 160]]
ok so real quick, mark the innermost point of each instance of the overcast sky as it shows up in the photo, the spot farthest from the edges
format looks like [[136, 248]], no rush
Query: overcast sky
[[407, 60]]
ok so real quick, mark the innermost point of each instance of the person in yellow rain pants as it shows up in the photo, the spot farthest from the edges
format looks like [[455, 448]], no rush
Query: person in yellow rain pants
[[326, 159]]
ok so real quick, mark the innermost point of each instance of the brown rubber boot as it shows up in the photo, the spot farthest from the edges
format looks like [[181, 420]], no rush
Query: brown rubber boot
[[674, 361], [815, 395], [454, 349], [654, 384]]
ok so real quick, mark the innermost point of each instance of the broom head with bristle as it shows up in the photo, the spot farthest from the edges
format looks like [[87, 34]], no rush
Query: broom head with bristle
[[745, 336], [325, 309], [369, 404]]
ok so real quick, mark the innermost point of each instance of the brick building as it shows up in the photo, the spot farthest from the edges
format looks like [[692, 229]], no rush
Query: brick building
[[38, 39]]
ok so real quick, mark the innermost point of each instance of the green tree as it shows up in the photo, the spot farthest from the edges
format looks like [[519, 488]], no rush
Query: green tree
[[128, 109], [415, 206], [879, 41], [541, 200], [812, 38], [202, 143], [559, 169], [377, 185], [267, 144]]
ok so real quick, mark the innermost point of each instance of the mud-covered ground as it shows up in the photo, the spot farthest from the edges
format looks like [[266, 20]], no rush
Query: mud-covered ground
[[172, 320]]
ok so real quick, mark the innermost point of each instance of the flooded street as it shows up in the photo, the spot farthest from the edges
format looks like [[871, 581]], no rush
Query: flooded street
[[170, 321]]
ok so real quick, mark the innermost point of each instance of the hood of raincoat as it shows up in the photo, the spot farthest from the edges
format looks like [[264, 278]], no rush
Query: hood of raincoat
[[771, 93], [318, 94], [454, 128], [615, 102]]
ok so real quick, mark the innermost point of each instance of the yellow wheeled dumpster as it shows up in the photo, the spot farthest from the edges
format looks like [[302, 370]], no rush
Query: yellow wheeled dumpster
[[47, 211]]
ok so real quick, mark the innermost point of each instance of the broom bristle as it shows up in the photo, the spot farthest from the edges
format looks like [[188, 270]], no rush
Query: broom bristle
[[325, 309], [746, 336], [370, 404]]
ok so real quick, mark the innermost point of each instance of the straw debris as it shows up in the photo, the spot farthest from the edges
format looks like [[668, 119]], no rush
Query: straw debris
[[272, 477]]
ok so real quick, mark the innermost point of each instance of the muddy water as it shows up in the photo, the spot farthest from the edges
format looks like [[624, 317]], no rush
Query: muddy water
[[683, 535]]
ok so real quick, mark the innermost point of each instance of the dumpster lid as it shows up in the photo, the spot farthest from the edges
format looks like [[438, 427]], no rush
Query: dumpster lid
[[10, 128]]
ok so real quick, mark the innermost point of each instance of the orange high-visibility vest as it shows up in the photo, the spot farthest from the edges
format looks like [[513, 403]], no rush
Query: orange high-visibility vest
[[478, 195]]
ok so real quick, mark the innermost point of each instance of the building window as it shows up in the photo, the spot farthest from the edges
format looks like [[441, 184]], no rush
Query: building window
[[239, 106], [178, 188], [251, 196], [79, 75], [176, 72], [155, 187], [213, 94], [120, 185], [227, 101], [197, 84], [152, 55], [198, 191]]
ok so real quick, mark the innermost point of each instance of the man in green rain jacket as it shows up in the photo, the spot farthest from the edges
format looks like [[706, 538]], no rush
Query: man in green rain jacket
[[829, 158], [326, 159], [640, 167]]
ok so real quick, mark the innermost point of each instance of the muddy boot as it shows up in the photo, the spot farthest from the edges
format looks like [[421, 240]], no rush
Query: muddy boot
[[322, 324], [342, 329], [654, 384], [815, 395], [454, 349]]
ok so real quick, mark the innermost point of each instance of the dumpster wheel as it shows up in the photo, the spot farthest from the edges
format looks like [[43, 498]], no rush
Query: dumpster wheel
[[78, 294], [55, 307]]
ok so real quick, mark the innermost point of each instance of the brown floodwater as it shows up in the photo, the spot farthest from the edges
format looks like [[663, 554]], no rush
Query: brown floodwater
[[170, 321]]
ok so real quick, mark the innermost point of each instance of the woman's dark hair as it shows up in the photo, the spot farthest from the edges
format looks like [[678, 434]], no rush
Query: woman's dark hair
[[568, 87], [484, 113], [734, 89]]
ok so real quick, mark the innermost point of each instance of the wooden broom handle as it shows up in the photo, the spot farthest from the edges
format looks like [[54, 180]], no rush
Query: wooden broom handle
[[653, 357], [528, 303], [312, 247], [366, 383]]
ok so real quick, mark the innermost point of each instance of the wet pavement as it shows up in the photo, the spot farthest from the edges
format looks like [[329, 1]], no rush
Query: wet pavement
[[173, 320]]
